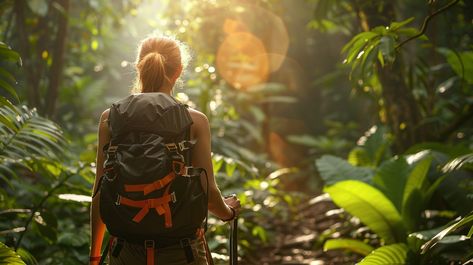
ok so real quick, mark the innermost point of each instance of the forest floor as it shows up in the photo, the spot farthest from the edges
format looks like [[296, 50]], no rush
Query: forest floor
[[300, 242]]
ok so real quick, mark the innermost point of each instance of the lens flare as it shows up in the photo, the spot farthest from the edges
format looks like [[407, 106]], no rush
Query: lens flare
[[242, 60], [255, 45]]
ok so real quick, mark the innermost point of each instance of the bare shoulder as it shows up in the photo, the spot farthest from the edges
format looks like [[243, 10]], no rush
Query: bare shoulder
[[200, 127], [103, 124], [104, 116], [198, 118]]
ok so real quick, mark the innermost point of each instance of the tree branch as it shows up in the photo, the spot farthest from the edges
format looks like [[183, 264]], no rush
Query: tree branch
[[43, 200], [39, 206], [426, 22]]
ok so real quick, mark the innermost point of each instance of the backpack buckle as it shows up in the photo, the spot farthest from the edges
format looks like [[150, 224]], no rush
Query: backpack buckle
[[112, 149], [173, 197], [110, 178], [183, 146], [172, 147], [149, 244], [117, 202]]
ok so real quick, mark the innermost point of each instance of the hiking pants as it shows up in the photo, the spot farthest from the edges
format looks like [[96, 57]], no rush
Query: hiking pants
[[132, 254]]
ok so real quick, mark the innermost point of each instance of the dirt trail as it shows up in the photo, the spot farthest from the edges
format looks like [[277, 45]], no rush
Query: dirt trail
[[300, 242]]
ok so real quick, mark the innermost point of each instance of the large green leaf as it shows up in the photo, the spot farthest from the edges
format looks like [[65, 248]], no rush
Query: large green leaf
[[333, 169], [8, 256], [413, 200], [371, 207], [375, 143], [350, 244], [391, 179], [461, 63], [395, 254]]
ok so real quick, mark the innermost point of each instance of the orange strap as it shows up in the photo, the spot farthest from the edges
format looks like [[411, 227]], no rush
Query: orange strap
[[161, 205], [149, 252], [150, 187]]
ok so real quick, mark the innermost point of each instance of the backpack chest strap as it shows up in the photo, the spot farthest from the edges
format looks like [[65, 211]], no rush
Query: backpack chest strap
[[178, 169], [150, 187]]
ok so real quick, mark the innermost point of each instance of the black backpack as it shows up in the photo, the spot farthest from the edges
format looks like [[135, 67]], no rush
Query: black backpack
[[150, 191]]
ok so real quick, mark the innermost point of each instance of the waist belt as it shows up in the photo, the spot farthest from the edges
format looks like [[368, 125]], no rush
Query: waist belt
[[116, 244]]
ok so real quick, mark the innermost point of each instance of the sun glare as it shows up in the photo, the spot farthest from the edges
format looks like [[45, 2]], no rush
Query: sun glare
[[255, 45]]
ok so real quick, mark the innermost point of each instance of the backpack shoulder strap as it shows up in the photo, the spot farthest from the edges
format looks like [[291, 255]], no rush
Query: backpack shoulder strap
[[188, 154]]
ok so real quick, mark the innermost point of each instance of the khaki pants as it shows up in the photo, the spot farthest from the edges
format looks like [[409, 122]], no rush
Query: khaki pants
[[132, 254]]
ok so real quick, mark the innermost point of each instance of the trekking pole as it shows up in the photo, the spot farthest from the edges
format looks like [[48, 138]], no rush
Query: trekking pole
[[234, 242], [104, 254]]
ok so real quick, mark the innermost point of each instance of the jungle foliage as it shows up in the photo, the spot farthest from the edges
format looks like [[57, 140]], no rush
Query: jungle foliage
[[372, 104]]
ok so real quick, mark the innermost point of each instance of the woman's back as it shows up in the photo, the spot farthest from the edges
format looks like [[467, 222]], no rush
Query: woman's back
[[158, 67]]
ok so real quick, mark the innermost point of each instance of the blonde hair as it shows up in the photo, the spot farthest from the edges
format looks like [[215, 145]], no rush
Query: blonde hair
[[158, 60]]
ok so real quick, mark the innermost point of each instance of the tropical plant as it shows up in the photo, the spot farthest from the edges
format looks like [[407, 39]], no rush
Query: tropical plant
[[8, 256], [32, 149], [439, 238], [394, 208], [384, 65]]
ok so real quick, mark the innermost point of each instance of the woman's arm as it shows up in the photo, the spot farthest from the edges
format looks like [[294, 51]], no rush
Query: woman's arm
[[96, 225], [201, 158]]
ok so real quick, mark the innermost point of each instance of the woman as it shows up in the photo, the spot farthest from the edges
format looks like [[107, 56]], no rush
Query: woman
[[158, 67]]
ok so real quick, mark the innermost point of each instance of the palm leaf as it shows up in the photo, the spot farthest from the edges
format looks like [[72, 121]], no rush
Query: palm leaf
[[31, 135], [24, 134], [8, 256], [395, 254], [6, 78], [370, 206], [458, 163], [431, 243]]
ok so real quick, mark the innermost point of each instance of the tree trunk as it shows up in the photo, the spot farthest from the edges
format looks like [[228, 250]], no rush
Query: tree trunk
[[55, 74], [32, 78], [402, 112]]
